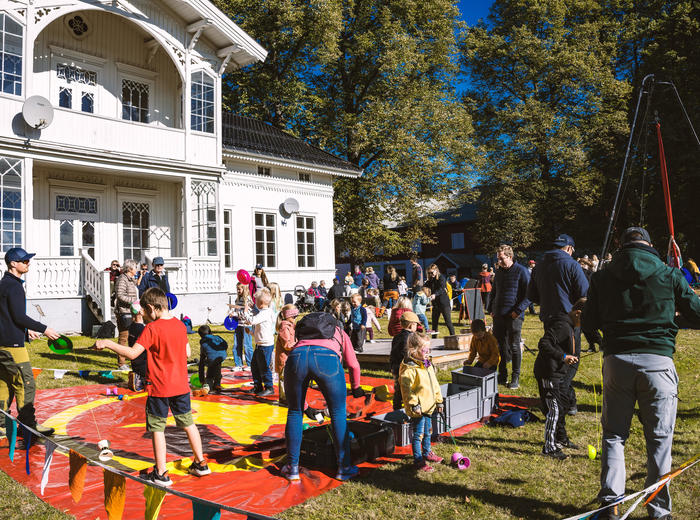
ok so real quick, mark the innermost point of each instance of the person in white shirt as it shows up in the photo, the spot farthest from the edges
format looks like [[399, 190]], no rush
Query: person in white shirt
[[264, 335]]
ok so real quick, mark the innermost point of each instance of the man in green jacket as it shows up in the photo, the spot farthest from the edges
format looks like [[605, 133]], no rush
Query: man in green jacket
[[634, 302]]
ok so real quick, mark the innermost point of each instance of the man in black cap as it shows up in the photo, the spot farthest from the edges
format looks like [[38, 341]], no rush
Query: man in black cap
[[556, 283], [634, 302], [155, 278], [16, 376]]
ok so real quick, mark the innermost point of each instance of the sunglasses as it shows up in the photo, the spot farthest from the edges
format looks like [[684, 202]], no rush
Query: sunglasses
[[25, 262]]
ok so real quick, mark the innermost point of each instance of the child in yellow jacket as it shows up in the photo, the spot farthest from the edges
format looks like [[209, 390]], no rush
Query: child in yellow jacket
[[421, 396], [484, 345]]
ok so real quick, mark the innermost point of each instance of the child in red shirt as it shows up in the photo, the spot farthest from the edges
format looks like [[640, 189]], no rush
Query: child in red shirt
[[165, 342]]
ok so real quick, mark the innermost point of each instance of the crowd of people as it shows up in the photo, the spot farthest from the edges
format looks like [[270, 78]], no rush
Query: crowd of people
[[632, 297]]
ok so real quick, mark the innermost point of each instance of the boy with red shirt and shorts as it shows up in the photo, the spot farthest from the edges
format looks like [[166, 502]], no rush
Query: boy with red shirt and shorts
[[165, 342]]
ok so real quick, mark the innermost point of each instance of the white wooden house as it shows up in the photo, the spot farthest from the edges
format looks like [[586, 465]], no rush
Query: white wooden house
[[133, 163]]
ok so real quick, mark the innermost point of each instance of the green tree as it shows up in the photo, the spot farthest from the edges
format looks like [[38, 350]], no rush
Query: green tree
[[549, 111], [372, 81]]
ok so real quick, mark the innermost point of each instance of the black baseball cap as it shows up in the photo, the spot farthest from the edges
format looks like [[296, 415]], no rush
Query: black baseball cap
[[17, 254], [563, 240], [635, 234]]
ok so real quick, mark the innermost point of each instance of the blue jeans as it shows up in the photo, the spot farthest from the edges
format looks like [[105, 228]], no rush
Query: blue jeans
[[424, 320], [323, 366], [244, 343], [422, 428], [260, 366], [650, 381]]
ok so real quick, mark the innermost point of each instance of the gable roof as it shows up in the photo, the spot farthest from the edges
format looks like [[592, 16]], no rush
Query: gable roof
[[248, 135]]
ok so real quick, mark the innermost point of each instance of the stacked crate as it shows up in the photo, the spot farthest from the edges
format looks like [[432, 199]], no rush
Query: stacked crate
[[485, 380]]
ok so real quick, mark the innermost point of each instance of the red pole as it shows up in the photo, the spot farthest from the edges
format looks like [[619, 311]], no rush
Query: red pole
[[667, 191]]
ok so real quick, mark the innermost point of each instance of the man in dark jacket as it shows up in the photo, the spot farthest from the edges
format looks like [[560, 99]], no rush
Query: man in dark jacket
[[336, 290], [634, 301], [555, 354], [16, 376], [155, 278], [558, 282], [508, 304]]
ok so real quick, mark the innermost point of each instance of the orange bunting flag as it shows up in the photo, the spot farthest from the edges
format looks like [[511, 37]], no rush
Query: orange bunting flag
[[36, 372], [76, 476], [154, 499], [115, 495]]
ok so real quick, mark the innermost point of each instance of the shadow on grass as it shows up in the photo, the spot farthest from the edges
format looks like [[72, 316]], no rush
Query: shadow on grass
[[519, 507]]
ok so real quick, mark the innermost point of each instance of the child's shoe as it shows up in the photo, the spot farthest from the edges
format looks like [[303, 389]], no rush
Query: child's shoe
[[206, 389], [422, 465], [291, 472], [433, 457], [266, 392], [199, 469], [347, 472], [156, 478]]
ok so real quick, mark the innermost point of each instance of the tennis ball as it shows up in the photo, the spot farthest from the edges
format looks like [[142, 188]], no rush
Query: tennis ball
[[592, 452]]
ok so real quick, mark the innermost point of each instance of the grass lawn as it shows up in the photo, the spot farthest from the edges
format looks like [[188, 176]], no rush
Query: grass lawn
[[508, 477]]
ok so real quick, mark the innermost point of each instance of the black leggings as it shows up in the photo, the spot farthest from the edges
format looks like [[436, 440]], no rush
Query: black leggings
[[444, 309]]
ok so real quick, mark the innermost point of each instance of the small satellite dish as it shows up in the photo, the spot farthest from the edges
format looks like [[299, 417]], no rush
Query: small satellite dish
[[291, 206], [37, 112]]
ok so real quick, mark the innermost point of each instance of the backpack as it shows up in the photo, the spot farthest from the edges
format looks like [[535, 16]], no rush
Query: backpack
[[106, 330], [316, 325], [515, 418]]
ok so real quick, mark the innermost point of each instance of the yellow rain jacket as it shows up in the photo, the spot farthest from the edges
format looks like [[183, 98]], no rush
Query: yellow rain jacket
[[419, 385]]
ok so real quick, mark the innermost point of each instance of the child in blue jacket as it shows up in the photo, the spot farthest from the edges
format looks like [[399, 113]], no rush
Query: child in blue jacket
[[212, 353]]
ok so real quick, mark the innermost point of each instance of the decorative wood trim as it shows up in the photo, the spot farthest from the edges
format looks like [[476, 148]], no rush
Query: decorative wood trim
[[77, 185], [262, 159], [125, 68], [128, 190], [80, 56]]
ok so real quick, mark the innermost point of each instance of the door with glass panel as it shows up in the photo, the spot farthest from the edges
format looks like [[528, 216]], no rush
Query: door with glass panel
[[77, 219], [136, 229]]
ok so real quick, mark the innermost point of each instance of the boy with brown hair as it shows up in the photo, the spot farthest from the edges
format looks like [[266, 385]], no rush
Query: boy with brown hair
[[485, 346], [165, 342]]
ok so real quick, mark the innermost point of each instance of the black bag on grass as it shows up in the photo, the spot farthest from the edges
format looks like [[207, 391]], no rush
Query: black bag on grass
[[106, 330], [316, 325]]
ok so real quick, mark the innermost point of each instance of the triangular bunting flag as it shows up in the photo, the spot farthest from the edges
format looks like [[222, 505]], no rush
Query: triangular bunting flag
[[58, 374], [107, 374], [115, 494], [48, 457], [28, 444], [205, 512], [11, 432], [84, 373], [154, 499], [36, 372], [76, 475]]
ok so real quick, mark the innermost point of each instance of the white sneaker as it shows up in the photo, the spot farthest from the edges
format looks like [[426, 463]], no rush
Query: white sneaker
[[125, 367], [371, 341], [206, 387]]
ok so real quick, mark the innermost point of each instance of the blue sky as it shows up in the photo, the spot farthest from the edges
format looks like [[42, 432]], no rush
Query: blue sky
[[472, 10]]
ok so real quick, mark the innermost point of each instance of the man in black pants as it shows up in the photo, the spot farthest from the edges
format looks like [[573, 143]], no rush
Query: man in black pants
[[508, 304], [557, 283], [16, 376]]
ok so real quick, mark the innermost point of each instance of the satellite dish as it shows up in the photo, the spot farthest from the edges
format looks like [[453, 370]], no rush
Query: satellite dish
[[291, 206], [37, 112]]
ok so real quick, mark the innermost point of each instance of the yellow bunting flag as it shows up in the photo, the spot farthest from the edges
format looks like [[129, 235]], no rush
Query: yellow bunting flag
[[154, 499], [115, 495], [76, 476]]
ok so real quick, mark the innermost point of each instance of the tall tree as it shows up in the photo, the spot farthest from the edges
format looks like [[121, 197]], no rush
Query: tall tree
[[548, 109], [374, 83]]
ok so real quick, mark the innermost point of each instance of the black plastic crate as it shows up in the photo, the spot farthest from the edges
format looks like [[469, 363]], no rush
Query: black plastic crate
[[476, 376], [370, 441], [399, 422]]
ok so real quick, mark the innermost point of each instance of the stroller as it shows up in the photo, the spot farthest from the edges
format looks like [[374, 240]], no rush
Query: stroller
[[305, 302]]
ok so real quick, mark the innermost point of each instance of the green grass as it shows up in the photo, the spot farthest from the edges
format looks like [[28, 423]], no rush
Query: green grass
[[508, 477]]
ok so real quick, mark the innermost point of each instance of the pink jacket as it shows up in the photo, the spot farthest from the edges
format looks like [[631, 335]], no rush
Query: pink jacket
[[283, 344], [333, 344]]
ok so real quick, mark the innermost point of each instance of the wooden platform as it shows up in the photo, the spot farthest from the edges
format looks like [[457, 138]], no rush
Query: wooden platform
[[377, 354]]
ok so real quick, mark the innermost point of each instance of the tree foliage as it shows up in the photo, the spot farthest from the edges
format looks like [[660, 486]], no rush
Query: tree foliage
[[372, 81], [549, 111]]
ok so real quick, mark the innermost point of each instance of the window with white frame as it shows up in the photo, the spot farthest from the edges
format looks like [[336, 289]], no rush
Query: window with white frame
[[11, 55], [204, 218], [305, 177], [135, 96], [306, 242], [457, 240], [228, 239], [77, 87], [136, 228], [10, 203], [264, 170], [265, 240], [202, 103]]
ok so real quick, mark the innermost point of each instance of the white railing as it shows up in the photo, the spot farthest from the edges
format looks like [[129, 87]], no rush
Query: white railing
[[54, 277], [193, 276], [96, 285]]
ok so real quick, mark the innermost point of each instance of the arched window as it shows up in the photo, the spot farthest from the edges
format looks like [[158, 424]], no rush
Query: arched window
[[202, 107], [10, 55]]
